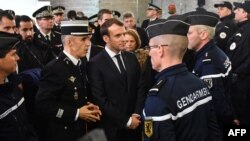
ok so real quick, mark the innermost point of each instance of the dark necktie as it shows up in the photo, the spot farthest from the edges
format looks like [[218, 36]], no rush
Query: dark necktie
[[82, 72], [121, 67], [47, 39]]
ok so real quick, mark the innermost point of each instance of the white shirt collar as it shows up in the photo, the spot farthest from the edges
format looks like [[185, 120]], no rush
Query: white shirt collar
[[88, 54], [72, 58], [44, 35], [110, 52]]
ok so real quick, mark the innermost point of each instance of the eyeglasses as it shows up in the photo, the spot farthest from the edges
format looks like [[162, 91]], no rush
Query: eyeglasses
[[153, 46]]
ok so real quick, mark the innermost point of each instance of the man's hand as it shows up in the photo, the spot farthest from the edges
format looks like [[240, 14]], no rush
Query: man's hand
[[135, 122], [90, 112], [236, 122]]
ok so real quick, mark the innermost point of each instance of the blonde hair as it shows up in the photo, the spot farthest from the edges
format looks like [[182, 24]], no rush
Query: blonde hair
[[210, 30], [136, 36]]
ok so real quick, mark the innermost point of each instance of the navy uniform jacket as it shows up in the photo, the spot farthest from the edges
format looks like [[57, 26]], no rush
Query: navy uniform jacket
[[55, 41], [14, 125], [224, 31], [238, 50], [178, 108], [145, 24], [62, 90], [214, 67]]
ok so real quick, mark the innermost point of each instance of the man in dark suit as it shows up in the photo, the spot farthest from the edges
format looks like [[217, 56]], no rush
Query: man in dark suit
[[152, 14], [62, 97], [115, 85], [44, 19]]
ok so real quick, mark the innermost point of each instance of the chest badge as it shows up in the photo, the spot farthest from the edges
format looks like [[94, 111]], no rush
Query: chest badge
[[148, 127], [72, 79], [75, 96], [223, 35], [209, 82]]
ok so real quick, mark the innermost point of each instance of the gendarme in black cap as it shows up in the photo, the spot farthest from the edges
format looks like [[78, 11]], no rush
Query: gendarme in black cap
[[76, 28], [202, 18], [58, 10], [176, 25], [45, 11], [245, 5], [8, 41], [154, 7], [226, 4]]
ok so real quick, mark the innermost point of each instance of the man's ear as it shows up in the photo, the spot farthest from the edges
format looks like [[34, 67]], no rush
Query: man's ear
[[99, 21], [105, 38], [204, 35], [69, 41], [161, 51]]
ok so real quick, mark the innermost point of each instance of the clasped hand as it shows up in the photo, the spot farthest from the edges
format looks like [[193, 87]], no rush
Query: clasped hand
[[90, 112]]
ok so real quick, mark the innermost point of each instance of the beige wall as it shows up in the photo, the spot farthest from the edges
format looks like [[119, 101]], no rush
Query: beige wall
[[90, 7]]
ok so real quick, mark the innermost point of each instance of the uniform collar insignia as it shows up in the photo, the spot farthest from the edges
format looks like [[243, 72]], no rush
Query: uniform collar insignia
[[66, 60]]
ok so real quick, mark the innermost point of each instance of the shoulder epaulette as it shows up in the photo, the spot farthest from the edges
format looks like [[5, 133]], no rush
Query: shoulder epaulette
[[57, 32], [158, 86]]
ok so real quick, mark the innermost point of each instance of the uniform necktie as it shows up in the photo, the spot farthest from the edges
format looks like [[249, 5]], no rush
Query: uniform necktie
[[79, 67], [82, 72], [47, 39]]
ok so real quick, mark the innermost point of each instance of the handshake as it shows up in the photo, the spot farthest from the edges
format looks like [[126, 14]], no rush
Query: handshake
[[90, 112]]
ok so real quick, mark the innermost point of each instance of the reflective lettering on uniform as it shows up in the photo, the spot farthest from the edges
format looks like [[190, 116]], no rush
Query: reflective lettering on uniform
[[179, 105], [185, 101]]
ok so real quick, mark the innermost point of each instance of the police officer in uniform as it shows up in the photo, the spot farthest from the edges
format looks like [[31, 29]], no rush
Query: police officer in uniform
[[178, 104], [14, 125], [227, 26], [45, 35], [239, 53], [152, 14], [62, 97], [58, 13], [211, 64]]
